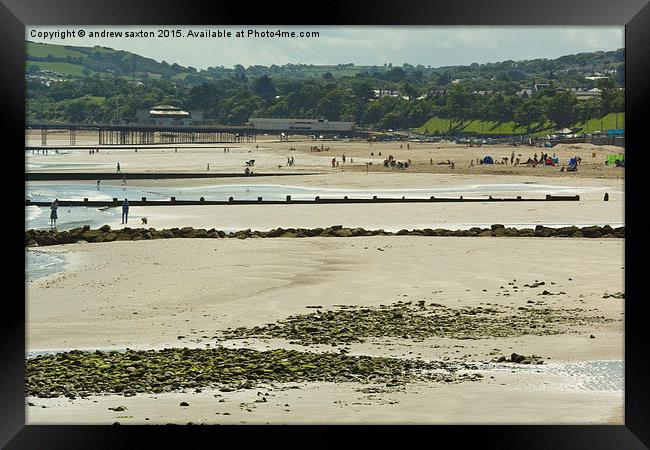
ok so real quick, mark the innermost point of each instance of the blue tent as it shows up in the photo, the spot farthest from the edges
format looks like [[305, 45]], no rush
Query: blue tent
[[488, 160], [573, 161]]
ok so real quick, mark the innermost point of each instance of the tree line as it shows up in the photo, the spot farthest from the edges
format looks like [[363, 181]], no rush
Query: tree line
[[233, 100]]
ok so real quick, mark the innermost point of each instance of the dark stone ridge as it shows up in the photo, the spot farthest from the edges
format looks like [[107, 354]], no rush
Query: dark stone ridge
[[36, 238], [350, 324], [182, 369]]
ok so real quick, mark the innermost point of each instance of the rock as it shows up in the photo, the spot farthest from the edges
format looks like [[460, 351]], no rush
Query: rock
[[105, 228], [118, 408], [344, 232], [276, 232], [123, 237], [109, 237], [497, 226], [184, 404], [517, 358], [591, 232], [91, 235], [591, 336]]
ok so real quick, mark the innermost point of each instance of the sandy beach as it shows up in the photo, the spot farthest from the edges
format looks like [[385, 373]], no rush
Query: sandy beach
[[271, 155], [147, 294], [175, 293]]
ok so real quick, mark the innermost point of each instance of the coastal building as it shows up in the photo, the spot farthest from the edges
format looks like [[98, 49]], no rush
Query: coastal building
[[540, 87], [590, 94], [168, 115], [262, 123], [525, 93]]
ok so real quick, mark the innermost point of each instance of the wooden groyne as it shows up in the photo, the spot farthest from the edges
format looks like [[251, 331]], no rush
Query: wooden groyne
[[78, 176], [289, 201]]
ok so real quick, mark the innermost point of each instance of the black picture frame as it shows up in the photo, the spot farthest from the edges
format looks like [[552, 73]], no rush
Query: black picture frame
[[633, 14]]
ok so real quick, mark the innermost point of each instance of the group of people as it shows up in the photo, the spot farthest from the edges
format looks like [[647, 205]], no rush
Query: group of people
[[314, 148], [449, 163], [394, 164], [92, 151], [290, 161]]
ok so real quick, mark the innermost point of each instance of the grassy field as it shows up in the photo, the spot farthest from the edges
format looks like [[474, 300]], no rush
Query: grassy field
[[58, 51], [60, 67], [437, 126], [609, 122]]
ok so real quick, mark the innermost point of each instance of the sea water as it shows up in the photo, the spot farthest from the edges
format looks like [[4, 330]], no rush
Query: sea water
[[71, 217], [42, 264]]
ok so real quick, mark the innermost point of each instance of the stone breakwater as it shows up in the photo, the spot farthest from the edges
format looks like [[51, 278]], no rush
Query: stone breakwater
[[419, 321], [80, 373], [34, 238]]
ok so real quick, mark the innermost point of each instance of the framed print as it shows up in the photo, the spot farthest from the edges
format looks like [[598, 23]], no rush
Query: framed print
[[384, 214]]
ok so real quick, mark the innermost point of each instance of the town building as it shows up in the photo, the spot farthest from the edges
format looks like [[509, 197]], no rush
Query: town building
[[168, 115], [319, 125]]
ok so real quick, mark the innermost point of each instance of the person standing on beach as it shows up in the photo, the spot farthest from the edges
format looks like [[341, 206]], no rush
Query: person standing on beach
[[97, 184], [53, 215], [118, 168], [125, 211]]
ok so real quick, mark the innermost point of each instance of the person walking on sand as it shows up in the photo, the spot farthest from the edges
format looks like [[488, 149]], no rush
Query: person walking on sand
[[125, 211], [53, 215], [118, 168], [512, 157]]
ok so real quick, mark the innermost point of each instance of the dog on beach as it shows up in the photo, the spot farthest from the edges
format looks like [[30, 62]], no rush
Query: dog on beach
[[144, 220]]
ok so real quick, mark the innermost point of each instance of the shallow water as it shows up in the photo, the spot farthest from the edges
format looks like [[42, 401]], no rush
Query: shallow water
[[42, 264], [600, 375], [38, 191], [70, 217]]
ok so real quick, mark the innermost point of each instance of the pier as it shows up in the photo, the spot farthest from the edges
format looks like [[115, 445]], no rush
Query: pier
[[147, 134]]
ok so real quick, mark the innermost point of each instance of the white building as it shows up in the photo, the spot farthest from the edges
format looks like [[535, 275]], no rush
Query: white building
[[168, 115], [262, 123]]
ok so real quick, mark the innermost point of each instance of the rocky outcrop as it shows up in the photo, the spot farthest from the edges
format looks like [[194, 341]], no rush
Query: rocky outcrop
[[35, 238]]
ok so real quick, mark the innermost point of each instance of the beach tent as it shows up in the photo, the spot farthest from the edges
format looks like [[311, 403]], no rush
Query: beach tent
[[488, 160], [611, 159]]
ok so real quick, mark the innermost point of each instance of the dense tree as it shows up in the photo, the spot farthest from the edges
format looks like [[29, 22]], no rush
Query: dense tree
[[528, 113], [561, 108], [265, 88]]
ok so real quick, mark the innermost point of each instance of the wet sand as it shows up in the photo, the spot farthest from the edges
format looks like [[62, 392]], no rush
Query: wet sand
[[194, 288]]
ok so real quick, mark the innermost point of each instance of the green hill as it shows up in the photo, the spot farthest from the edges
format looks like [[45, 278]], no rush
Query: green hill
[[439, 126]]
